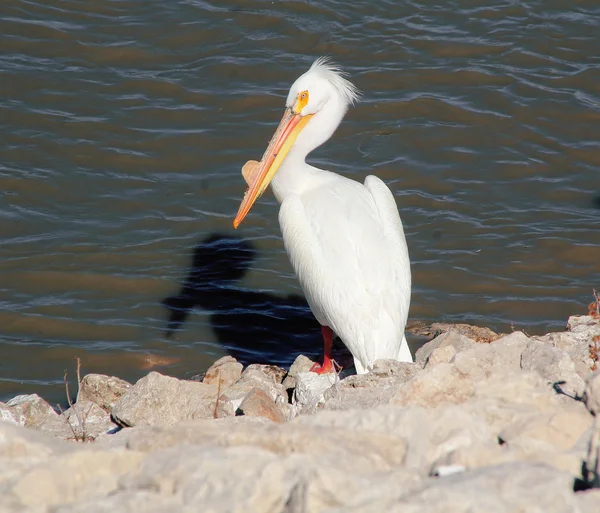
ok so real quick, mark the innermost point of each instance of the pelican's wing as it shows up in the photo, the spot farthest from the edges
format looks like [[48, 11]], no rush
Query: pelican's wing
[[394, 232], [347, 260]]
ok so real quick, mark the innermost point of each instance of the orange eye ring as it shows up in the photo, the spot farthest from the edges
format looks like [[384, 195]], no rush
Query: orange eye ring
[[301, 101]]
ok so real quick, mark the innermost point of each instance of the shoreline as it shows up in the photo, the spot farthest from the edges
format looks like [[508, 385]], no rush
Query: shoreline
[[477, 419]]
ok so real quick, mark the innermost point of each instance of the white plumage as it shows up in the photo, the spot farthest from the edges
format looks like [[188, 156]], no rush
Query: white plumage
[[345, 240]]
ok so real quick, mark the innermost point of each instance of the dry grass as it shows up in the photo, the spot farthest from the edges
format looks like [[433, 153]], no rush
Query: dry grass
[[79, 430], [594, 306]]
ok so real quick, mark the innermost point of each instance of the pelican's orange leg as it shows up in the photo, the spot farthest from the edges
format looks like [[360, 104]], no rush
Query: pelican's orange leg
[[327, 344]]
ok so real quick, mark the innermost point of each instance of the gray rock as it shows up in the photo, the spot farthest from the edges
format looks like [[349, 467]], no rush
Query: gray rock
[[553, 364], [224, 373], [103, 390], [162, 400], [591, 394], [230, 401], [449, 339], [30, 410]]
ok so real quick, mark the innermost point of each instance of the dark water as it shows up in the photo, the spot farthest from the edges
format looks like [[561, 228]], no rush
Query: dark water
[[124, 125]]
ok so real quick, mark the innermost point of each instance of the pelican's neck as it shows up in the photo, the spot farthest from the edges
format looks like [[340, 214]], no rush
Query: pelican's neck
[[296, 176]]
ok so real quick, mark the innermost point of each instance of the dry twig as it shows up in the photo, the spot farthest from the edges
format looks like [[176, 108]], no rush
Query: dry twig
[[218, 396], [82, 436]]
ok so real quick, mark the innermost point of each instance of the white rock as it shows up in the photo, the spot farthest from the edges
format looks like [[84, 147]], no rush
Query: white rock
[[232, 398], [310, 389], [162, 400], [449, 339], [103, 390], [30, 410], [553, 364]]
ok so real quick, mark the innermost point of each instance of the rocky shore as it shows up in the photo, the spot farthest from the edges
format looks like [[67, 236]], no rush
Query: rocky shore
[[478, 423]]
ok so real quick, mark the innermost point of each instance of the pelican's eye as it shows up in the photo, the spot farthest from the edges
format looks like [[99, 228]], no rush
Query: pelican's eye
[[301, 102]]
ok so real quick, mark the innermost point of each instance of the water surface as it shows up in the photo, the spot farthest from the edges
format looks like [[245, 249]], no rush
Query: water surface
[[125, 124]]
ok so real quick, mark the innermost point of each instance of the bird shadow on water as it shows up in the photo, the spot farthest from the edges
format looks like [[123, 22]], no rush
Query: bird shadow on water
[[254, 327]]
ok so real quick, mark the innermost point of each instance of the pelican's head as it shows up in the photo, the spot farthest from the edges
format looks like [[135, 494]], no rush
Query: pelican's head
[[323, 93]]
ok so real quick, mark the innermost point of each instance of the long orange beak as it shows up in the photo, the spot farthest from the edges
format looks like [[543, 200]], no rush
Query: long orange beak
[[290, 126]]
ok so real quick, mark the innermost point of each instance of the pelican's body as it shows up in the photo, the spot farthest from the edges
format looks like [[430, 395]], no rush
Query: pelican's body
[[345, 240]]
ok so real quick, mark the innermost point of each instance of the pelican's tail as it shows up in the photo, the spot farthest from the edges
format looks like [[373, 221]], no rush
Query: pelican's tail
[[404, 352]]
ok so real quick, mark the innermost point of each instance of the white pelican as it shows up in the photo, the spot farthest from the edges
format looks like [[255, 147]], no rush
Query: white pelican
[[344, 239]]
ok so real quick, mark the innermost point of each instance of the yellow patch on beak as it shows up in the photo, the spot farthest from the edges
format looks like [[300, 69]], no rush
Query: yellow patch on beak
[[258, 175]]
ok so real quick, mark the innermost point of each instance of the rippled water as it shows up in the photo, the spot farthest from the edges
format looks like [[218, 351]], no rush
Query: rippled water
[[125, 124]]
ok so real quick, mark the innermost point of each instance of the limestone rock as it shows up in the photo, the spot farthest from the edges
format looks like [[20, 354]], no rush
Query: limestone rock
[[560, 429], [125, 501], [103, 390], [553, 364], [30, 410], [20, 443], [505, 488], [509, 397], [592, 461], [301, 364], [588, 501], [310, 387], [275, 372], [226, 370], [231, 480], [351, 449], [451, 338], [435, 385], [73, 476], [483, 360], [83, 422], [23, 449], [258, 404], [371, 389], [162, 400], [230, 401], [591, 395], [386, 368], [576, 342], [476, 333], [7, 413], [441, 355]]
